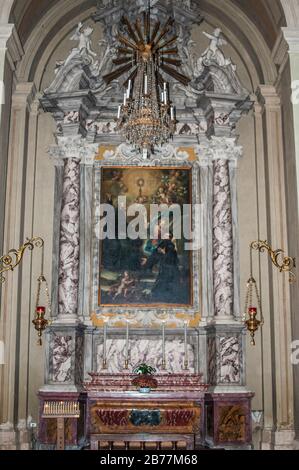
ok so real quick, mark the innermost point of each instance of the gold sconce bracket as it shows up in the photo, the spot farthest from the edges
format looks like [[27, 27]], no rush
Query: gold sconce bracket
[[283, 264], [10, 261], [14, 257], [280, 261]]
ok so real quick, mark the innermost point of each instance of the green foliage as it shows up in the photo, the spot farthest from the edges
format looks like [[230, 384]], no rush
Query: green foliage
[[144, 369]]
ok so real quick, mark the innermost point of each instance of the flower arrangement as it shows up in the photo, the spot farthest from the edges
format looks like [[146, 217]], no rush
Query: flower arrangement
[[144, 379]]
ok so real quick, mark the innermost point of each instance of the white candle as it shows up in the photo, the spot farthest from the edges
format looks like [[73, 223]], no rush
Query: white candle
[[119, 111], [125, 99], [165, 97], [185, 342], [129, 89], [163, 342], [162, 97], [172, 113], [104, 342], [145, 85], [127, 341]]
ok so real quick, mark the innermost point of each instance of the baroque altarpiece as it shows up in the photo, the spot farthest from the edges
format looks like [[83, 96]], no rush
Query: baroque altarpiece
[[203, 401]]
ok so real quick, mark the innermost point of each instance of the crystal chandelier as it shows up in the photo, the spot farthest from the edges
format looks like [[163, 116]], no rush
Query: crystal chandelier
[[147, 117]]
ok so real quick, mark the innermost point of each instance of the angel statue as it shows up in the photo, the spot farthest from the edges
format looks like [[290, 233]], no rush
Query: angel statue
[[213, 53], [143, 4], [84, 48]]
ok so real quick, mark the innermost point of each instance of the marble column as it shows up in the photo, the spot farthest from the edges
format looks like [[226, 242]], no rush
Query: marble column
[[224, 152], [69, 246], [222, 241], [71, 150]]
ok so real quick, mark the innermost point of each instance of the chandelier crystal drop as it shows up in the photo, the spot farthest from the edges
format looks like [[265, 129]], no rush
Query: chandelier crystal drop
[[147, 118]]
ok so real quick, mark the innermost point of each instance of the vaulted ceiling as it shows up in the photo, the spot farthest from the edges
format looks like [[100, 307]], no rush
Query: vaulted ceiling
[[266, 15]]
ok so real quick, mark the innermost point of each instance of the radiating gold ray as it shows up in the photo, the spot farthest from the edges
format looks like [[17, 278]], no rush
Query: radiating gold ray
[[175, 62], [122, 60], [127, 42], [131, 77], [173, 51], [123, 50], [175, 74], [117, 73], [165, 29], [138, 29], [155, 31], [167, 43], [130, 29]]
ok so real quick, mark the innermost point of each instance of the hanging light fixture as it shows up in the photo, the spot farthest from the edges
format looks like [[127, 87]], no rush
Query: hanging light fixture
[[147, 116], [251, 309]]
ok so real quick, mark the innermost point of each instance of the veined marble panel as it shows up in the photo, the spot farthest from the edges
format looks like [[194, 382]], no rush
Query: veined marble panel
[[229, 360], [145, 350], [62, 351]]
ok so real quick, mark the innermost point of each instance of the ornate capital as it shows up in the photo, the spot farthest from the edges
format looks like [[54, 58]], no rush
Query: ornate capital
[[220, 148], [73, 147]]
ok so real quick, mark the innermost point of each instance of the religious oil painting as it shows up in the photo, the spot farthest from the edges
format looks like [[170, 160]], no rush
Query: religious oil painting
[[152, 267]]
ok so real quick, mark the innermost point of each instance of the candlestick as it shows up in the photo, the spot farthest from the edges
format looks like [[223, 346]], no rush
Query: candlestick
[[104, 346], [172, 113], [129, 89], [127, 346], [185, 346], [163, 345]]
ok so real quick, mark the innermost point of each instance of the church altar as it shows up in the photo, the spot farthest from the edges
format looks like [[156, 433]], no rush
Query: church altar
[[179, 414], [195, 335]]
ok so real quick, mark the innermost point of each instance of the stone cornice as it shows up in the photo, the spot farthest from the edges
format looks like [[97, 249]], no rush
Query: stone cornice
[[73, 147]]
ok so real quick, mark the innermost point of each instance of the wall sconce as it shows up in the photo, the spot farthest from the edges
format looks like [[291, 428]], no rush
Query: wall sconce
[[251, 319], [10, 261]]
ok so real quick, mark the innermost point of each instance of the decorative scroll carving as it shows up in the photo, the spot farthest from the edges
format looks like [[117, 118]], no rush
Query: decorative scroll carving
[[14, 257], [232, 424]]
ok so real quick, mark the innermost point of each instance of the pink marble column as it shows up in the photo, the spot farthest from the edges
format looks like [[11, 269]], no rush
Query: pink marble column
[[69, 247], [222, 240]]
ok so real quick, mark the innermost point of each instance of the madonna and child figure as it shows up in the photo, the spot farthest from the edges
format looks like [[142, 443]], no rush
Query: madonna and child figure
[[156, 269]]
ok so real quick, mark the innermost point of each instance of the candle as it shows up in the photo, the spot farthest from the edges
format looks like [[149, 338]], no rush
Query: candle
[[119, 111], [165, 93], [165, 97], [185, 345], [172, 113], [104, 344], [129, 89], [162, 96], [125, 99], [145, 85], [163, 344], [127, 342]]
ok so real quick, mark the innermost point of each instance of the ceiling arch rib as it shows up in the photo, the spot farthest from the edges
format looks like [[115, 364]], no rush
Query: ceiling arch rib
[[237, 26]]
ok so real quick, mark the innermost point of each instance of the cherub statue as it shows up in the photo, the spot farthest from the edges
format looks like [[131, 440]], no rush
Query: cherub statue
[[84, 48], [213, 53], [143, 4]]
